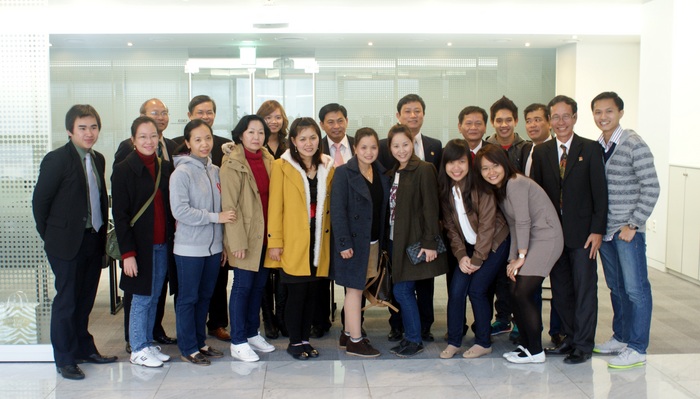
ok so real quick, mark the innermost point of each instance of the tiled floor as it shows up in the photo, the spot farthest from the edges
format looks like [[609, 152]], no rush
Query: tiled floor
[[670, 372]]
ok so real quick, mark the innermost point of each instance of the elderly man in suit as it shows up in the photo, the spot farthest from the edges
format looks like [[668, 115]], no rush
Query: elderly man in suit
[[410, 111], [70, 210], [570, 169], [156, 109]]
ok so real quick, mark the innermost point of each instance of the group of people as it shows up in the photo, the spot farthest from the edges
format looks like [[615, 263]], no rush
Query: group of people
[[290, 210]]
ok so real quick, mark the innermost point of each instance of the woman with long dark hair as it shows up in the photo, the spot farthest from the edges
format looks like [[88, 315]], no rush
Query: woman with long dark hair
[[478, 236], [299, 228], [536, 243]]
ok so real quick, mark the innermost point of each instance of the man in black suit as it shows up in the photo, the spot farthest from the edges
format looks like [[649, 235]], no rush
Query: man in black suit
[[333, 120], [410, 112], [204, 108], [157, 110], [70, 210], [570, 169]]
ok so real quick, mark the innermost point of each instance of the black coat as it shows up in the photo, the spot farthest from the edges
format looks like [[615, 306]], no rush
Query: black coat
[[584, 188], [351, 222], [60, 201], [132, 185]]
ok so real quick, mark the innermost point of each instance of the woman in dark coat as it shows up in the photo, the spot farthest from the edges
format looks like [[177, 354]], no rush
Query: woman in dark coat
[[414, 217], [146, 245], [359, 201]]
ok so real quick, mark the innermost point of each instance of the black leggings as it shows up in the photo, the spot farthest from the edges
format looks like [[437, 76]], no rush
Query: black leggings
[[527, 313], [299, 311]]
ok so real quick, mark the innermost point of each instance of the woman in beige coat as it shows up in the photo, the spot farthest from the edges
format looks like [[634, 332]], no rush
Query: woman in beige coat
[[245, 183]]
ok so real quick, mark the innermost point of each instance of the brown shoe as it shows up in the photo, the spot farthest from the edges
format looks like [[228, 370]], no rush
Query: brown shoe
[[361, 349], [476, 351], [220, 334], [343, 340], [197, 359]]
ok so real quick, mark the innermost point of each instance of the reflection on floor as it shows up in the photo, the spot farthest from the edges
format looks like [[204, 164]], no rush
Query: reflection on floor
[[670, 371]]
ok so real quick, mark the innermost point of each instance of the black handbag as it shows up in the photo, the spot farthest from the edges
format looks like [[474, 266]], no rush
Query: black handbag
[[413, 250], [378, 288]]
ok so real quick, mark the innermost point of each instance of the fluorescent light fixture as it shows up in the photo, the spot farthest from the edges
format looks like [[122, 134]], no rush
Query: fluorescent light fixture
[[247, 55]]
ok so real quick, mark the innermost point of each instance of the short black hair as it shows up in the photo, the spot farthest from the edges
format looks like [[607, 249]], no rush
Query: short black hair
[[196, 100], [609, 95], [563, 99], [410, 98], [473, 109], [332, 107], [81, 111], [504, 103], [534, 107]]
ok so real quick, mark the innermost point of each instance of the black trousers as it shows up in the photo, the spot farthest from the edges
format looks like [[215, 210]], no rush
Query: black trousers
[[76, 282], [301, 305], [322, 315], [574, 280], [218, 306]]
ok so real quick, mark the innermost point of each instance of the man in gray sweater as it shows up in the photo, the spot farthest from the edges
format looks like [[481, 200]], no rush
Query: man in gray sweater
[[633, 189]]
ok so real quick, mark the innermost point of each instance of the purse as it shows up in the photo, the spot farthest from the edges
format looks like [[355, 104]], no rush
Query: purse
[[112, 247], [378, 289], [413, 250]]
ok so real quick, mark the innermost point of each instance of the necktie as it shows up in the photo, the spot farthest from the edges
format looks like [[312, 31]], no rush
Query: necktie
[[562, 169], [95, 209], [338, 155], [418, 149], [162, 154]]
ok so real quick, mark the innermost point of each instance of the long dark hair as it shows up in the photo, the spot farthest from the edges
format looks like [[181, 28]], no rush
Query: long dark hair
[[454, 150], [494, 154], [297, 126], [187, 133]]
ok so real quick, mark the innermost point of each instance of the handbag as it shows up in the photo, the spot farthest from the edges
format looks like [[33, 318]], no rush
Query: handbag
[[112, 248], [18, 320], [378, 289], [413, 250]]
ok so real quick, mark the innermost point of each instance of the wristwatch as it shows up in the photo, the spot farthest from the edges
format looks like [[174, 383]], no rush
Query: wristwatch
[[632, 227], [521, 256]]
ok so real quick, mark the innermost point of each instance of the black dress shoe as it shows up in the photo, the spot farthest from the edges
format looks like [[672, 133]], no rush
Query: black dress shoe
[[563, 349], [577, 357], [427, 336], [317, 332], [557, 339], [165, 340], [71, 372], [395, 335], [97, 359]]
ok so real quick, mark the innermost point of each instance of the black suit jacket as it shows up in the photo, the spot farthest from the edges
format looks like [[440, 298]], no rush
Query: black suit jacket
[[327, 148], [217, 154], [583, 188], [60, 201], [126, 147], [432, 149]]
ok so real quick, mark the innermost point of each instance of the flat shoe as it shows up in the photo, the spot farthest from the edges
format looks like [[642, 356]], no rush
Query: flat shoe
[[449, 352], [197, 359], [297, 352], [476, 351], [211, 352], [310, 350]]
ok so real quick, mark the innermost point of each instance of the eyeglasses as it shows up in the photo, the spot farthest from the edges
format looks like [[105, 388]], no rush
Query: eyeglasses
[[156, 113], [565, 117]]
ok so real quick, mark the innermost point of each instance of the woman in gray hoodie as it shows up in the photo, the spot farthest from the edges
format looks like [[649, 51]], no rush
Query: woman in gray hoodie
[[195, 198]]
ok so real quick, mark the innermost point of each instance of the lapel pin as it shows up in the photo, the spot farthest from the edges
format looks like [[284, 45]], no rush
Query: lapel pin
[[580, 159], [432, 152]]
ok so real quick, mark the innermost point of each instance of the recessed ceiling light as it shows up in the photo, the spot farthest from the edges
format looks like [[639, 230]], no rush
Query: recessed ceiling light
[[527, 44], [449, 44], [129, 44], [370, 44]]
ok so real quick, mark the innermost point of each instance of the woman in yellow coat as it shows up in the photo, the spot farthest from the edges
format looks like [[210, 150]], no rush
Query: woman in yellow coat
[[299, 228]]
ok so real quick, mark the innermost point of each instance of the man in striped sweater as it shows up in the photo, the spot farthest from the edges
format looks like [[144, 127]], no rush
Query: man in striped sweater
[[633, 189]]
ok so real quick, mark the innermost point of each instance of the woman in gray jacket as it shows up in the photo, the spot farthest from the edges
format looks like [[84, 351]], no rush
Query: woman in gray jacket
[[195, 198]]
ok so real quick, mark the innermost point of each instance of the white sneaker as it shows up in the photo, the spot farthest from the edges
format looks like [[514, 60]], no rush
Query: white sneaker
[[244, 352], [155, 350], [259, 344], [628, 358], [610, 346], [538, 358], [145, 358]]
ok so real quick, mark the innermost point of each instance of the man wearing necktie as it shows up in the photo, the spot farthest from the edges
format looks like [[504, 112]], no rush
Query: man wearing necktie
[[156, 109], [410, 111], [570, 170], [333, 120], [70, 210]]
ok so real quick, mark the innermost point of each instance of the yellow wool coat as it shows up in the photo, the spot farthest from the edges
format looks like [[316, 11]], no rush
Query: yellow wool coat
[[239, 192], [288, 217]]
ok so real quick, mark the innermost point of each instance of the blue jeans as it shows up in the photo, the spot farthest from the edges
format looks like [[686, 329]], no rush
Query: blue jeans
[[244, 304], [405, 295], [476, 285], [196, 278], [144, 307], [625, 268]]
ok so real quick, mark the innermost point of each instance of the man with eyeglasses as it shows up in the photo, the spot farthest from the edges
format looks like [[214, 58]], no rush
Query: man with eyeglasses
[[570, 169], [156, 109]]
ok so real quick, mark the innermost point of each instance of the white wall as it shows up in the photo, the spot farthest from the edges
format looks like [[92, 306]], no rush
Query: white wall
[[566, 70]]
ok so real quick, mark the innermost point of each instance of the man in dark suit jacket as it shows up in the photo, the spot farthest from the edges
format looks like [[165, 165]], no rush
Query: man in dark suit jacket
[[410, 112], [156, 109], [581, 195], [333, 120], [70, 210]]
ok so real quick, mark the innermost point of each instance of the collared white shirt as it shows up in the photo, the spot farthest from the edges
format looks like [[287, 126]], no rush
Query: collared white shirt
[[528, 164], [418, 146], [615, 138], [478, 147], [344, 148], [469, 233], [567, 145]]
